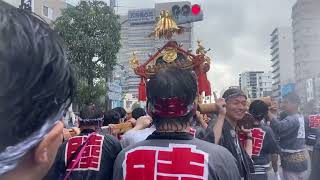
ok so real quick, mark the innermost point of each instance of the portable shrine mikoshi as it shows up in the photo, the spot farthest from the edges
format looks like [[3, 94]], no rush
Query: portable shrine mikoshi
[[172, 54]]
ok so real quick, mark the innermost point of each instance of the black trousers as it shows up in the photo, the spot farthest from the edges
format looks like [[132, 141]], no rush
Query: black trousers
[[259, 177], [315, 164]]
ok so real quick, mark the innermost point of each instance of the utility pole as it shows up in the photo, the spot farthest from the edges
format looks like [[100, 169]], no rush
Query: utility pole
[[113, 4]]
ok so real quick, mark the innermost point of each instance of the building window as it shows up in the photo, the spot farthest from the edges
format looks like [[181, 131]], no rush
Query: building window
[[47, 12]]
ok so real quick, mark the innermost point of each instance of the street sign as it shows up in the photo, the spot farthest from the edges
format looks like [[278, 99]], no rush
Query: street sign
[[287, 88], [141, 16]]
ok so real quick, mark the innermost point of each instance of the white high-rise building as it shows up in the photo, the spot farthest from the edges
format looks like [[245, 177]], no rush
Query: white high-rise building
[[135, 30], [306, 38], [282, 60], [256, 83], [264, 84]]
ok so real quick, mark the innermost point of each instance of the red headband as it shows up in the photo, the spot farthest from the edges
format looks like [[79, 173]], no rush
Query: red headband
[[170, 108]]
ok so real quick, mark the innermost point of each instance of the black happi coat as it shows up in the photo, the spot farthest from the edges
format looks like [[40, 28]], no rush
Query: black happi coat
[[269, 147], [96, 162], [228, 140], [311, 133], [173, 156]]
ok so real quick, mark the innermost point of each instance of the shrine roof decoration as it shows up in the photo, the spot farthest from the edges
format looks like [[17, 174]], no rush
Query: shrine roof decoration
[[170, 55]]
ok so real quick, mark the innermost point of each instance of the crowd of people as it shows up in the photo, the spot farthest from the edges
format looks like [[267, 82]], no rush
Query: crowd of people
[[170, 139]]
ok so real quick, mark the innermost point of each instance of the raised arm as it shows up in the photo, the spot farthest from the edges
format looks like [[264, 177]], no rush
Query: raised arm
[[217, 129]]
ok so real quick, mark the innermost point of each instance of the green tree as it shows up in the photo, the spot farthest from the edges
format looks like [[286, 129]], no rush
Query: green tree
[[91, 32], [89, 94]]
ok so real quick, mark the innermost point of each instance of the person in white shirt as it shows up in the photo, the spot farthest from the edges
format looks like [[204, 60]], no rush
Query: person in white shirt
[[140, 132]]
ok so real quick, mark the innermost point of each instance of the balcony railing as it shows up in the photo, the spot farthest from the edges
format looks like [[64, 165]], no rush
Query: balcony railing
[[276, 76], [275, 57], [275, 63], [274, 51], [276, 69], [276, 82]]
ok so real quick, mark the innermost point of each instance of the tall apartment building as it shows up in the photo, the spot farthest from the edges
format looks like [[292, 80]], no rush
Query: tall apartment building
[[282, 60], [135, 28], [256, 83], [306, 38]]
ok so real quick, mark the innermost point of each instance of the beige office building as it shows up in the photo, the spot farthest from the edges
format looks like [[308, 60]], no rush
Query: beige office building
[[49, 10]]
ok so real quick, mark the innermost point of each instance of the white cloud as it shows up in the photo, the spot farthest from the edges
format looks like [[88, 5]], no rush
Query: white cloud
[[219, 74]]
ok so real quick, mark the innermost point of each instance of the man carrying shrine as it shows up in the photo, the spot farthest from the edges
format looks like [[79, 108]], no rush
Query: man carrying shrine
[[291, 131], [264, 144], [312, 123], [232, 109], [89, 155], [171, 152]]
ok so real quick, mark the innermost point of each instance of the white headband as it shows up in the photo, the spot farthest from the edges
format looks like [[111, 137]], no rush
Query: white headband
[[10, 157]]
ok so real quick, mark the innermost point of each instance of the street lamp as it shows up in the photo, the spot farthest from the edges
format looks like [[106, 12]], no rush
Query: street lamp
[[26, 5]]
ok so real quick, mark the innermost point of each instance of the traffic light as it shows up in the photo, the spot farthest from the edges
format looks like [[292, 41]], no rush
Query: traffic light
[[185, 10], [186, 13]]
